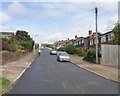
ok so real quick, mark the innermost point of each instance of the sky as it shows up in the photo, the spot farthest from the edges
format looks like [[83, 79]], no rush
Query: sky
[[51, 20]]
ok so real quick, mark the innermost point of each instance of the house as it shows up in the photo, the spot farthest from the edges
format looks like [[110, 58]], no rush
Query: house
[[87, 42], [60, 43], [106, 38], [81, 43], [92, 39], [6, 35]]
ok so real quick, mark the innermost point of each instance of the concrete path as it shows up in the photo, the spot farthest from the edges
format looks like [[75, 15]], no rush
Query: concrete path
[[14, 70], [102, 70]]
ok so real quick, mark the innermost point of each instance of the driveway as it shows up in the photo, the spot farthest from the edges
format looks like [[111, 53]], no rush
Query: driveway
[[48, 76]]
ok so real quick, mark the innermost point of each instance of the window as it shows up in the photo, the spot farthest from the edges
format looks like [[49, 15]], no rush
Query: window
[[107, 37], [103, 39]]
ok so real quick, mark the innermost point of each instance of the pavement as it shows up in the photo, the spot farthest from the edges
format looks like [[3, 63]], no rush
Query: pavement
[[14, 70], [46, 75], [105, 71]]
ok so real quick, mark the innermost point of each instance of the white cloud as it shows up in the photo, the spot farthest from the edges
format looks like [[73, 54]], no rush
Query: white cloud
[[107, 6], [42, 15], [16, 9], [64, 0], [60, 20], [111, 22], [4, 18]]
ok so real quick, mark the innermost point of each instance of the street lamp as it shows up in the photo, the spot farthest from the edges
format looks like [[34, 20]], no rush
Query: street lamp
[[34, 44]]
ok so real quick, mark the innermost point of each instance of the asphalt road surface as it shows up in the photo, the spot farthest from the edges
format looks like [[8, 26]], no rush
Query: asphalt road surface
[[48, 76]]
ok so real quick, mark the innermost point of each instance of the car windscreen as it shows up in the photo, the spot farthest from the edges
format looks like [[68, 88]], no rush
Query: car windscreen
[[63, 54]]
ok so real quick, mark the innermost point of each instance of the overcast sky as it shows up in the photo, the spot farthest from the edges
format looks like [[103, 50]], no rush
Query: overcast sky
[[52, 21]]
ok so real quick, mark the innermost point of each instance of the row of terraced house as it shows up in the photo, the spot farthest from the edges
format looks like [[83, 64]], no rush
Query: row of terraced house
[[87, 42]]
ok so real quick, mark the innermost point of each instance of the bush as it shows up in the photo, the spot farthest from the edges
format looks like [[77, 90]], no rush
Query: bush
[[78, 51], [91, 55], [70, 49], [27, 45], [62, 49], [12, 47]]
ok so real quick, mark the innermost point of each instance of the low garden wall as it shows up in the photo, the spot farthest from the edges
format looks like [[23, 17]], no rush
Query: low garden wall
[[11, 56]]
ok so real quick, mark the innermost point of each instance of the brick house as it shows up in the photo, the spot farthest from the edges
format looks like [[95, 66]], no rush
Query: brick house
[[87, 42], [92, 40], [60, 43]]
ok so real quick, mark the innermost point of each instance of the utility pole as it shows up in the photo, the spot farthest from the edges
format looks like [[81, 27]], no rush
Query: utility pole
[[34, 44], [96, 11]]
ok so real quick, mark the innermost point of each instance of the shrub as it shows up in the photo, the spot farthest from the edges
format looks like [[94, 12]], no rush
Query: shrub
[[70, 49], [91, 55], [61, 49], [78, 51], [12, 47], [27, 45]]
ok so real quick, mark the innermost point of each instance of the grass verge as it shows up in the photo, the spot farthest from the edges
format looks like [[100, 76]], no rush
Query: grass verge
[[4, 83]]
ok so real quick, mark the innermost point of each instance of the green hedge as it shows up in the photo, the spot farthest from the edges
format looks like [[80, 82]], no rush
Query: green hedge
[[61, 49], [91, 55], [71, 49]]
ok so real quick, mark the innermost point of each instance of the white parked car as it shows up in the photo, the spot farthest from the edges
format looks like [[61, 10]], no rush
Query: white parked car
[[42, 48], [58, 52], [63, 56], [53, 52]]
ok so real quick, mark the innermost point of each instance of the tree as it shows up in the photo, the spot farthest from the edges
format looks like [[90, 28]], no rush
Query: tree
[[116, 31], [22, 35]]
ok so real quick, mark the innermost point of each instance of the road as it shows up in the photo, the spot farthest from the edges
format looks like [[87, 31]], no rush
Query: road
[[48, 76]]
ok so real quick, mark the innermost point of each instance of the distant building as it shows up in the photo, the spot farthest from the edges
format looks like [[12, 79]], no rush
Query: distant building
[[6, 35]]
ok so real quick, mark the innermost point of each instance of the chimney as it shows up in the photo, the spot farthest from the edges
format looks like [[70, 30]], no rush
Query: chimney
[[75, 36], [90, 32], [68, 39]]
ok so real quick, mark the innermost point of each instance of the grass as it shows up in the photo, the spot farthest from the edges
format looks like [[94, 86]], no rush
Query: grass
[[4, 83], [119, 77]]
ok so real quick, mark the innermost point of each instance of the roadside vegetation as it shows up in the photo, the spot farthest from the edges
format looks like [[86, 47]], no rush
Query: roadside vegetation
[[50, 46], [4, 83], [71, 49], [90, 55], [15, 47], [116, 36], [119, 78], [20, 41]]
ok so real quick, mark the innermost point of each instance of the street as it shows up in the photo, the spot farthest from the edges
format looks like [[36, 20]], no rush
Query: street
[[48, 76]]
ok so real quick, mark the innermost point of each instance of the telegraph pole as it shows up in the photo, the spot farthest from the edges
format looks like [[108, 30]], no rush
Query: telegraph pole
[[96, 11]]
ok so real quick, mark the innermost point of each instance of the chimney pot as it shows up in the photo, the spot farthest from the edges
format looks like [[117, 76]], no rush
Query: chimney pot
[[75, 36], [90, 32]]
